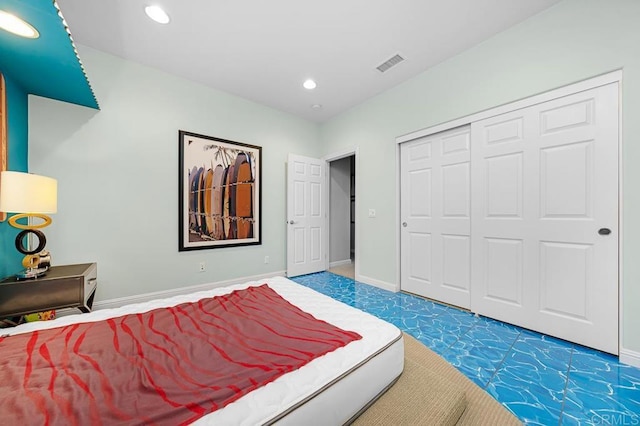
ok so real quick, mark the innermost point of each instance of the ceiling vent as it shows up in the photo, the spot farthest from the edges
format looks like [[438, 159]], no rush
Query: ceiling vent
[[393, 61]]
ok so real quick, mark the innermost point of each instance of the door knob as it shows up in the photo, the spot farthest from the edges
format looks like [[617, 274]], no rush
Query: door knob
[[604, 231], [404, 224], [291, 222]]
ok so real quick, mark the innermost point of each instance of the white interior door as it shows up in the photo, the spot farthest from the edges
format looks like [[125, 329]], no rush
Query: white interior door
[[305, 215], [545, 186], [435, 216]]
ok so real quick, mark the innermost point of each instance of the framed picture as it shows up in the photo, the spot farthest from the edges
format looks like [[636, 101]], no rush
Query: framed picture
[[3, 133], [219, 193]]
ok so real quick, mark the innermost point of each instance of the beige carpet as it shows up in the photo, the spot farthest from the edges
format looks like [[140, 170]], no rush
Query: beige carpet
[[431, 391], [346, 270]]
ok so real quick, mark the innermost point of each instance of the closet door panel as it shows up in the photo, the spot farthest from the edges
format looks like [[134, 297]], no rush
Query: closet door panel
[[504, 191], [501, 269], [417, 208], [578, 226], [456, 260], [565, 279], [435, 217], [544, 187]]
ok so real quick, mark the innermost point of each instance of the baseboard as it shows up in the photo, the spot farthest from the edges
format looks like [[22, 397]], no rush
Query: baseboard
[[377, 283], [145, 297], [630, 357], [339, 263]]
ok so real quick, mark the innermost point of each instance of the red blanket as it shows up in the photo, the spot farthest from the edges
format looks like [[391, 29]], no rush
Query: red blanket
[[167, 366]]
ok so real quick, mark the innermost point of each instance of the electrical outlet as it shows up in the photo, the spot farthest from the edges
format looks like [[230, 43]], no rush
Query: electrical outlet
[[266, 259], [202, 267]]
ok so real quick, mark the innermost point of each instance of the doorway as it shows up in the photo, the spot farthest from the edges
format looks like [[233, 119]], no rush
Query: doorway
[[342, 216], [309, 213]]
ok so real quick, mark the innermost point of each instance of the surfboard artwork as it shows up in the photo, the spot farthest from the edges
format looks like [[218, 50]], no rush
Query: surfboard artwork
[[196, 199], [192, 195], [201, 219], [216, 203], [208, 210], [230, 205], [219, 192], [243, 195]]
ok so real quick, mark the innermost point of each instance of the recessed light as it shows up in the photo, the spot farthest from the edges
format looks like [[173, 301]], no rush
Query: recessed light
[[309, 84], [157, 14], [316, 106], [17, 26]]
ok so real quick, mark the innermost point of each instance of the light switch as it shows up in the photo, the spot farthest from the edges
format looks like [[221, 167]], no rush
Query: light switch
[[372, 212]]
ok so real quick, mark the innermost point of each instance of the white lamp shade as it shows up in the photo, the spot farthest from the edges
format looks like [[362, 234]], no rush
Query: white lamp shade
[[27, 193]]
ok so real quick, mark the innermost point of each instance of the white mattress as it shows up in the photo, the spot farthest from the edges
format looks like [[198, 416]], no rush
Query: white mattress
[[329, 390]]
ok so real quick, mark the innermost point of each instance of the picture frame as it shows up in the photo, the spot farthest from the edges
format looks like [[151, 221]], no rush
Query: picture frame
[[219, 193], [3, 133]]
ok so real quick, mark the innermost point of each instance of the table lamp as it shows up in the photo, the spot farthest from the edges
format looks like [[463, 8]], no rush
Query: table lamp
[[31, 196]]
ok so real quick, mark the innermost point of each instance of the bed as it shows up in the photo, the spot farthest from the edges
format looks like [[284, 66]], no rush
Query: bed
[[331, 389]]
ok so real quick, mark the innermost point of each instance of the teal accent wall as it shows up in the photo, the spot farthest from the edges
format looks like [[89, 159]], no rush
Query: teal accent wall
[[46, 66], [17, 148]]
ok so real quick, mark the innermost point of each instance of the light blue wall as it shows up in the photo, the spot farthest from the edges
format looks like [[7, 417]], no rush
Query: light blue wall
[[572, 41], [117, 172], [17, 143]]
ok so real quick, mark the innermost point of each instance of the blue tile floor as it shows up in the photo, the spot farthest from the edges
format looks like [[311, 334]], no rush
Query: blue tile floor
[[540, 379]]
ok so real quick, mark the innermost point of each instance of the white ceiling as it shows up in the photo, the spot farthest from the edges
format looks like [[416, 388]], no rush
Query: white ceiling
[[264, 50]]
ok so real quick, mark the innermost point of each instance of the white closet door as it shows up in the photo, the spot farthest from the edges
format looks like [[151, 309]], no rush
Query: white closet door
[[435, 216], [545, 186]]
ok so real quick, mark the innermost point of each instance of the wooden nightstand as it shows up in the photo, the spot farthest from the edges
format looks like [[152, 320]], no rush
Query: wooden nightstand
[[68, 286]]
